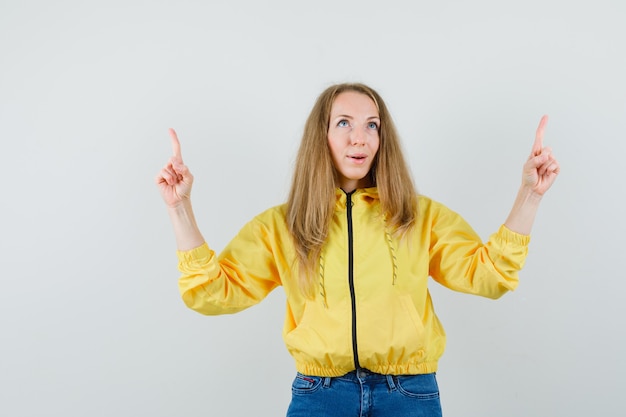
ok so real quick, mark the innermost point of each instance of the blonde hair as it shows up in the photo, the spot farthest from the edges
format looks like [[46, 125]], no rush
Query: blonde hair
[[312, 198]]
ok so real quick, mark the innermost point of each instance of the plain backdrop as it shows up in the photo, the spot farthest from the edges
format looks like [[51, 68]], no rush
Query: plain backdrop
[[91, 321]]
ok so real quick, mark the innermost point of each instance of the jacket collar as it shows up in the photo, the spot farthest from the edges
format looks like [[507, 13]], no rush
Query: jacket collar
[[368, 195]]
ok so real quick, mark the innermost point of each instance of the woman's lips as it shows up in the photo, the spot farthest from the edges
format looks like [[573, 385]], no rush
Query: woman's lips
[[358, 158]]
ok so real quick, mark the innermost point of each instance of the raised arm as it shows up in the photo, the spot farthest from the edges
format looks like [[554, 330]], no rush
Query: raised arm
[[174, 182], [539, 173]]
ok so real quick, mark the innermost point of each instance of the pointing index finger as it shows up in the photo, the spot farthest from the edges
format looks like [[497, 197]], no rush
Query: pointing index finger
[[175, 144], [538, 145]]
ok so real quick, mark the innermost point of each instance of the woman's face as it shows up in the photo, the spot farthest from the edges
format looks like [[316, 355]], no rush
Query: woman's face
[[353, 138]]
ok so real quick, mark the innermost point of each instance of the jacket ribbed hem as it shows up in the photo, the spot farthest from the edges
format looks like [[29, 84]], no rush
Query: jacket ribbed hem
[[385, 369]]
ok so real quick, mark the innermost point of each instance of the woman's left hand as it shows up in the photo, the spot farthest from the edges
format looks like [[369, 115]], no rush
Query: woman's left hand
[[541, 168]]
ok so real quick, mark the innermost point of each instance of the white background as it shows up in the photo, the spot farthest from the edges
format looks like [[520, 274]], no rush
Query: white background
[[91, 322]]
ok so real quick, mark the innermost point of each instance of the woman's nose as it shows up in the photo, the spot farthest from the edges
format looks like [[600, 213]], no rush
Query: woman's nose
[[357, 136]]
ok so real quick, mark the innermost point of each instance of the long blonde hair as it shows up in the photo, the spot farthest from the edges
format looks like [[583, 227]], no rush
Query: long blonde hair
[[311, 200]]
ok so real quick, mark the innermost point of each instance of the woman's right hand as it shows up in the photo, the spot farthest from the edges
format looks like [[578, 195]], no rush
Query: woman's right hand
[[174, 180]]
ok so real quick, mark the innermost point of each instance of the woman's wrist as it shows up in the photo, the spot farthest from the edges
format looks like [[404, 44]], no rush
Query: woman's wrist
[[524, 210], [187, 233]]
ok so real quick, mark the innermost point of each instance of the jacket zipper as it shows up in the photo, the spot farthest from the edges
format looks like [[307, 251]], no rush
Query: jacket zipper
[[351, 277]]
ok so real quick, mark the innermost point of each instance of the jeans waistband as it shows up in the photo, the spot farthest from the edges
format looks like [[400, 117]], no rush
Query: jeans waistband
[[366, 376]]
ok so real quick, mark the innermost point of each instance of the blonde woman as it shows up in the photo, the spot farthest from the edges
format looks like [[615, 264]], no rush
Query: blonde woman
[[353, 248]]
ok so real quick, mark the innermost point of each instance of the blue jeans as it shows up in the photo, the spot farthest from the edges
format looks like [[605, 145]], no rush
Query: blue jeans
[[365, 394]]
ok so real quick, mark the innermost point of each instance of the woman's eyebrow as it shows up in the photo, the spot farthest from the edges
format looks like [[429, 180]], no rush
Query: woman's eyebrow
[[347, 116]]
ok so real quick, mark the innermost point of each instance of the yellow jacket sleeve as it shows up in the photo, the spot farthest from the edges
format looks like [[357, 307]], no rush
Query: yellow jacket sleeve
[[460, 260], [241, 276]]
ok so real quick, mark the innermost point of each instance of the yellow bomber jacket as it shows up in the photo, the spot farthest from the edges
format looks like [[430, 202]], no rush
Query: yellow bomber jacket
[[373, 309]]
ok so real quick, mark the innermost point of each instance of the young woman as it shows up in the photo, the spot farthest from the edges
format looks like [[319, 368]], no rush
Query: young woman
[[353, 248]]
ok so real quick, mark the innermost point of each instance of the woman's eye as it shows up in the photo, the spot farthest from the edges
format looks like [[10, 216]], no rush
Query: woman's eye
[[373, 125], [343, 123]]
